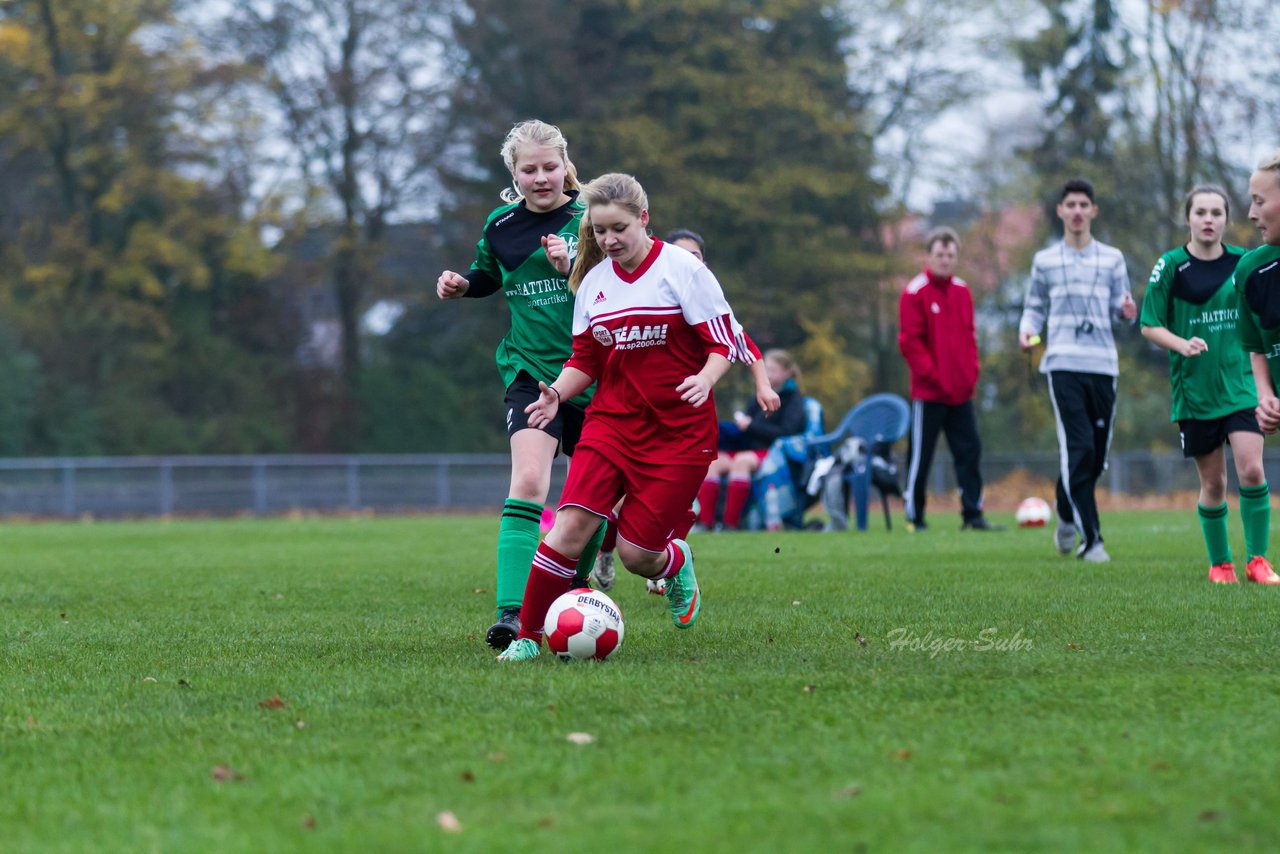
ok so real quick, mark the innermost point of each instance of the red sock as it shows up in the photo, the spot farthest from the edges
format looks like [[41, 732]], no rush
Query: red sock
[[739, 492], [675, 561], [550, 577], [610, 541], [708, 498], [682, 530]]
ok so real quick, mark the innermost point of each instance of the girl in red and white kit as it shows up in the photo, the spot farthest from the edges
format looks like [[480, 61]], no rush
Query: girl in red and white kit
[[652, 329]]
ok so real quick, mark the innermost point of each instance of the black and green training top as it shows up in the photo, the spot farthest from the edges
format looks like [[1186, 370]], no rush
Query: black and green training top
[[510, 258], [1194, 299], [1257, 282]]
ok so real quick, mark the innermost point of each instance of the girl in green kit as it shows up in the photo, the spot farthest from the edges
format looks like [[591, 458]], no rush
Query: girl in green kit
[[526, 251], [1191, 310]]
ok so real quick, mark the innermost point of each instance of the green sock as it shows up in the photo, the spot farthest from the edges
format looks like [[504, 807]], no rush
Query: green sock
[[1213, 522], [517, 542], [588, 559], [1255, 513]]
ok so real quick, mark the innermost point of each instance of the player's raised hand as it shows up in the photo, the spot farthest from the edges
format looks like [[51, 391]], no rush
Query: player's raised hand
[[557, 252], [543, 410], [450, 285], [695, 389]]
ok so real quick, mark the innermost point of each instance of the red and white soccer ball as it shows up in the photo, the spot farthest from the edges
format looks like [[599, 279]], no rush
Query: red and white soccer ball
[[1033, 513], [584, 623]]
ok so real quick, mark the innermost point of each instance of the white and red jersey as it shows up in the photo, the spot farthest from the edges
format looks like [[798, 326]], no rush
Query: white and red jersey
[[639, 335]]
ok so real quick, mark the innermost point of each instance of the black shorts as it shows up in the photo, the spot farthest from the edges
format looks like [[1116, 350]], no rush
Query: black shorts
[[566, 426], [1204, 436]]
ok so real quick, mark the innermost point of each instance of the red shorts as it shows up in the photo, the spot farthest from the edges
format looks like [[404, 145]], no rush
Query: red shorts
[[658, 497]]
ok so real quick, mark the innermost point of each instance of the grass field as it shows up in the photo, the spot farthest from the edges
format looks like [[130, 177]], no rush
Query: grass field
[[832, 697]]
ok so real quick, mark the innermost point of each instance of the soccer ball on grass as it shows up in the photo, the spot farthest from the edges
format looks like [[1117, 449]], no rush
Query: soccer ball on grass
[[584, 623], [1033, 513]]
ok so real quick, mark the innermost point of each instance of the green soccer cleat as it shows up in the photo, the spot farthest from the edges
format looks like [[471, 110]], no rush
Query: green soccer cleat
[[682, 591], [521, 649]]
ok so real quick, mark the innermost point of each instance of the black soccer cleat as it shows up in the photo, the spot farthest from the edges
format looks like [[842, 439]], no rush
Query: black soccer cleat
[[981, 524], [503, 632]]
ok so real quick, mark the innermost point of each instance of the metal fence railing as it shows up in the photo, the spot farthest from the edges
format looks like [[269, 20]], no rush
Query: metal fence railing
[[268, 485]]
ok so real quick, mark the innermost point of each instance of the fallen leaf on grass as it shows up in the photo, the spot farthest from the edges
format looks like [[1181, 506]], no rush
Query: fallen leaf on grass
[[301, 724], [903, 754], [580, 737], [479, 590], [1210, 815], [63, 617], [273, 702], [1159, 765], [148, 678], [860, 639], [497, 757], [308, 822], [468, 777], [449, 822], [795, 601], [224, 773], [32, 722], [547, 821], [849, 792], [184, 683], [809, 689], [1072, 646]]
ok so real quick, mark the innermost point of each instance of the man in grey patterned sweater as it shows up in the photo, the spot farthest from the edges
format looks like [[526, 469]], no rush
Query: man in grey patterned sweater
[[1078, 287]]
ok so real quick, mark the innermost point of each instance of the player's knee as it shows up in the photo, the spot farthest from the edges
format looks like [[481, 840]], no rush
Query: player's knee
[[639, 561], [1251, 473]]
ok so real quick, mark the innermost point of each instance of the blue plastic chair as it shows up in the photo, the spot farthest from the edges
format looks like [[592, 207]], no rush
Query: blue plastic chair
[[881, 417]]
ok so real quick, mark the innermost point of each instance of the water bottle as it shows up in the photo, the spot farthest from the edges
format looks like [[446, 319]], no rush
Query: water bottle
[[772, 510]]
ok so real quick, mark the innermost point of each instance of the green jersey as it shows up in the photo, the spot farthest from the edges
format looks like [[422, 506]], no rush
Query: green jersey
[[1257, 283], [510, 257], [1194, 299]]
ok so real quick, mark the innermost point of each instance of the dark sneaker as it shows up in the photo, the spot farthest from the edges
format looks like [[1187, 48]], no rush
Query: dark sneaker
[[981, 524], [503, 632], [913, 527]]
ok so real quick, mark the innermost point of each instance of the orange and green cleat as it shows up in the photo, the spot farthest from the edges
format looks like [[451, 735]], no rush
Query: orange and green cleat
[[682, 591]]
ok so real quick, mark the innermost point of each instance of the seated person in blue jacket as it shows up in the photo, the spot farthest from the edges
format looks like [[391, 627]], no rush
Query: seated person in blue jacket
[[756, 432]]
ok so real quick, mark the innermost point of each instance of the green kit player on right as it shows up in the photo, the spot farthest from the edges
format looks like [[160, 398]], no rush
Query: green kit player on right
[[1191, 310]]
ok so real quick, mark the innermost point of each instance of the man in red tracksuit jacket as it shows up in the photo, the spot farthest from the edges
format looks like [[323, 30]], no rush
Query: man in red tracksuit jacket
[[937, 338]]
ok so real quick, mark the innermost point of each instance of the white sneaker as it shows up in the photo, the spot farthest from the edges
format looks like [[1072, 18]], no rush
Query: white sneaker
[[603, 573], [1095, 553], [1064, 537]]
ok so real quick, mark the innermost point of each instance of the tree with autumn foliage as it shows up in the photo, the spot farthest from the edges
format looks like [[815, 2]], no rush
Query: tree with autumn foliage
[[130, 291]]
